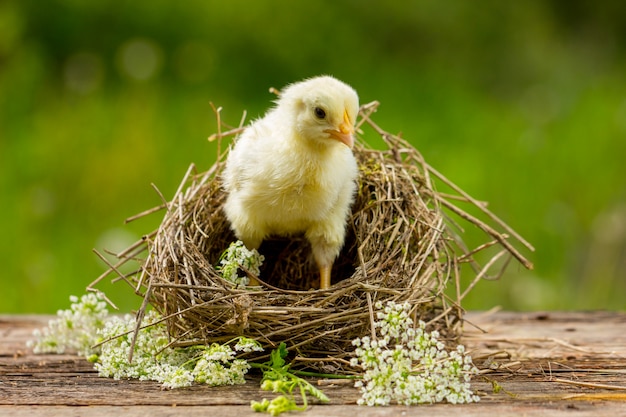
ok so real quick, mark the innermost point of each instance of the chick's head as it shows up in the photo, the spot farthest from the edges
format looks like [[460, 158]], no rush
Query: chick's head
[[323, 109]]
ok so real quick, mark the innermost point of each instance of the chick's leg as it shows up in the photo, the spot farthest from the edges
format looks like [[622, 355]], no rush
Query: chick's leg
[[325, 276], [324, 253]]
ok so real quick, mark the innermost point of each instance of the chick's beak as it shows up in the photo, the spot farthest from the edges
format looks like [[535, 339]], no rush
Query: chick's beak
[[345, 132]]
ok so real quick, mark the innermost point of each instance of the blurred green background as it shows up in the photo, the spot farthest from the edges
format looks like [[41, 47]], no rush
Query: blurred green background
[[521, 103]]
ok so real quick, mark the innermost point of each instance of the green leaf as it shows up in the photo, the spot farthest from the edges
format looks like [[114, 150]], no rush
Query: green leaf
[[278, 355], [316, 393], [277, 378]]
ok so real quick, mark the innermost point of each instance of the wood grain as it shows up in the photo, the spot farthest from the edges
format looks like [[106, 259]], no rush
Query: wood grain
[[541, 364]]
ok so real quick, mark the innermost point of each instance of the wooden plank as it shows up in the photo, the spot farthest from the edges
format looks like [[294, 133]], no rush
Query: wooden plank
[[550, 364], [439, 410], [549, 334]]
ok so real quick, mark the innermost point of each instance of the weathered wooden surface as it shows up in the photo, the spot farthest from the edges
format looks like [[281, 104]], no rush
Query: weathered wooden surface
[[547, 364]]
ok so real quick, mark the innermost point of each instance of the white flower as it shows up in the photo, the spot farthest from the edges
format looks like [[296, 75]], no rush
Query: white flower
[[237, 256], [408, 364], [176, 377], [153, 360], [73, 330], [246, 345], [87, 323]]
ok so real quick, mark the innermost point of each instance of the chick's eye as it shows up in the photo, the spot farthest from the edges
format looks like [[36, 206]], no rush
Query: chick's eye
[[319, 112]]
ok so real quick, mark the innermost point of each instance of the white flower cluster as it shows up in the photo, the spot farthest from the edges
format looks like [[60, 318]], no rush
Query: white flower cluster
[[409, 365], [237, 256], [87, 323], [174, 367], [74, 329]]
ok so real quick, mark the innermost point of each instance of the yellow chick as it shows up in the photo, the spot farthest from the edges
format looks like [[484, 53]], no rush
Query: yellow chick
[[293, 170]]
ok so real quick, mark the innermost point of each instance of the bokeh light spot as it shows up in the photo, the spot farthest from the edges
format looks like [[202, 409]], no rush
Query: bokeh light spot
[[140, 59], [83, 72]]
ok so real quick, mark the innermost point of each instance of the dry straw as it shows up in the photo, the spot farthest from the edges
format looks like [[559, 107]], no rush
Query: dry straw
[[403, 245]]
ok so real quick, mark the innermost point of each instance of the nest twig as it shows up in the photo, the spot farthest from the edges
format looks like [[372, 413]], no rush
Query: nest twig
[[402, 245]]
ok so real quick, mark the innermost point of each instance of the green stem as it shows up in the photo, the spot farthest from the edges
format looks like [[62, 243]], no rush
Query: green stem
[[257, 365], [305, 404], [327, 376], [306, 373]]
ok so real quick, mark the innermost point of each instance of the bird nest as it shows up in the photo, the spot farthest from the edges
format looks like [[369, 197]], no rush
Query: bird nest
[[402, 245]]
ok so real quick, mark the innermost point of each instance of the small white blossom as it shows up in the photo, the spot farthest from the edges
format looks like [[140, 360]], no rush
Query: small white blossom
[[153, 360], [177, 377], [87, 323], [237, 256], [408, 365], [74, 330], [246, 345]]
